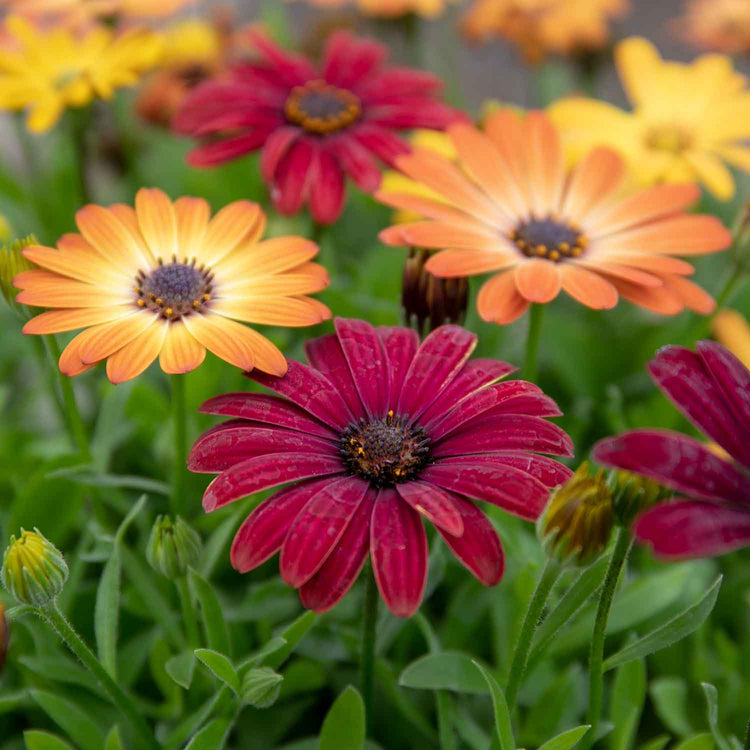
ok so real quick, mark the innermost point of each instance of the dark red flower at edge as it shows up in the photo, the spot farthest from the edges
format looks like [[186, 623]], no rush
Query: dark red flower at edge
[[711, 387], [314, 124], [376, 432]]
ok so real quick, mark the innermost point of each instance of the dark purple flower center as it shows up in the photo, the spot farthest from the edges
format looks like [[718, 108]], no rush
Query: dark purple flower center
[[549, 238], [175, 289], [385, 451], [321, 108]]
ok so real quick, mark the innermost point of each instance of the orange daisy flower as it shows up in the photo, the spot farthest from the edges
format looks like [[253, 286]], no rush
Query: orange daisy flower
[[510, 205], [166, 280], [717, 25]]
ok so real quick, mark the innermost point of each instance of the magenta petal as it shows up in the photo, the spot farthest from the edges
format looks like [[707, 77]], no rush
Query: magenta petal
[[479, 547], [226, 149], [398, 549], [293, 69], [686, 380], [505, 432], [327, 190], [291, 183], [227, 444], [262, 472], [437, 361], [356, 161], [475, 374], [530, 404], [400, 82], [318, 527], [549, 472], [326, 355], [384, 143], [479, 402], [261, 407], [433, 503], [341, 568], [505, 486], [275, 148], [687, 528], [348, 60], [262, 532], [310, 390], [368, 363], [676, 461], [401, 345]]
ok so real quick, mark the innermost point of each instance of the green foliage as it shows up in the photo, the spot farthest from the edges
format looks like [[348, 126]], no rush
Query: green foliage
[[344, 725]]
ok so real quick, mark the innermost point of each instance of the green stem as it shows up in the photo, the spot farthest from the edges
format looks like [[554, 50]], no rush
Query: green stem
[[40, 351], [623, 544], [530, 621], [536, 315], [413, 38], [188, 613], [747, 737], [80, 120], [119, 697], [75, 422], [369, 622], [179, 424]]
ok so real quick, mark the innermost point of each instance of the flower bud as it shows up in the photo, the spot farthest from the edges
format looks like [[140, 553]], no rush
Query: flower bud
[[34, 570], [173, 547], [576, 524], [261, 687], [12, 263], [631, 494]]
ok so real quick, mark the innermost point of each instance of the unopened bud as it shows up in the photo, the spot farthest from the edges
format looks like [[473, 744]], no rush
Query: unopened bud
[[631, 494], [261, 687], [173, 547], [12, 263]]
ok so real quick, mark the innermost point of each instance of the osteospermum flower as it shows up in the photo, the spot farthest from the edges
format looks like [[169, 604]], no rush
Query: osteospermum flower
[[542, 27], [166, 280], [711, 387], [720, 25], [687, 120], [47, 71], [376, 433], [509, 205], [314, 123], [390, 8]]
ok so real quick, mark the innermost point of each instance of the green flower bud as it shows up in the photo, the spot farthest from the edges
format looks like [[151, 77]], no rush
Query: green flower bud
[[12, 263], [632, 493], [576, 524], [34, 570], [173, 547], [261, 687]]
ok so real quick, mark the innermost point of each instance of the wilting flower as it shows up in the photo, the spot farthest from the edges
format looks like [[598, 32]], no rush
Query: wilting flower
[[542, 27], [720, 25], [47, 71], [376, 432], [313, 123], [390, 8], [77, 12], [165, 280], [711, 387], [510, 205], [687, 119], [731, 329]]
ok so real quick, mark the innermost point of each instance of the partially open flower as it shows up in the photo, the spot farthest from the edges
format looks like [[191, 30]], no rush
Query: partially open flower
[[34, 570], [173, 547]]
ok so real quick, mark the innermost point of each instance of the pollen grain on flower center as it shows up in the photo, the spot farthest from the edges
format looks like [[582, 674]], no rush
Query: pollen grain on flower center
[[385, 451], [174, 289], [321, 108], [549, 238]]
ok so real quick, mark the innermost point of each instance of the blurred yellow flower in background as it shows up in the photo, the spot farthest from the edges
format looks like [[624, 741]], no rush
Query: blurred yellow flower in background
[[732, 330], [688, 119], [76, 12], [47, 71], [390, 8], [720, 25]]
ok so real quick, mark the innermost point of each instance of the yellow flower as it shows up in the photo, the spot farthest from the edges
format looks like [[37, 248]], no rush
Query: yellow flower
[[732, 330], [390, 8], [46, 71], [688, 119], [191, 42], [77, 12]]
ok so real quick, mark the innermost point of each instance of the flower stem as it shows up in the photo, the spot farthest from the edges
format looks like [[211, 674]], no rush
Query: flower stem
[[73, 416], [188, 613], [623, 543], [79, 127], [122, 700], [369, 622], [530, 621], [179, 424], [536, 315]]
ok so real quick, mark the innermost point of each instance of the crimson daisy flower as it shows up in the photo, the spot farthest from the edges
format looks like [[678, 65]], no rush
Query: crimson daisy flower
[[374, 433], [314, 123], [711, 387]]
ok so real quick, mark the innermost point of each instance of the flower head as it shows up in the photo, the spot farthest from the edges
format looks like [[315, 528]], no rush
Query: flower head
[[166, 280], [509, 205], [314, 123], [375, 433], [711, 387], [173, 547], [542, 27], [687, 120], [717, 25], [47, 71], [34, 571]]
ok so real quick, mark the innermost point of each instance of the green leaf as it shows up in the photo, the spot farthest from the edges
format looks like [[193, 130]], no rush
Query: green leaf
[[106, 612], [503, 727], [700, 742], [665, 635], [211, 612], [113, 741], [293, 634], [712, 701], [628, 697], [88, 478], [448, 670], [566, 740], [658, 743], [221, 666], [70, 718], [181, 667], [344, 725], [36, 739], [670, 699], [211, 737]]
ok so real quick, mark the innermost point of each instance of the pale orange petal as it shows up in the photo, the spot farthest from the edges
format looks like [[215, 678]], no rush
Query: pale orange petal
[[228, 229], [158, 223], [453, 263], [267, 257], [57, 321], [289, 312], [29, 279], [109, 337], [593, 181], [193, 215], [104, 230], [588, 288], [438, 235], [129, 218], [546, 164], [425, 207], [656, 299], [506, 130], [538, 280], [305, 279], [267, 356], [693, 297], [70, 362], [64, 292], [658, 264], [620, 271], [135, 357], [89, 266], [499, 301], [181, 352], [222, 337]]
